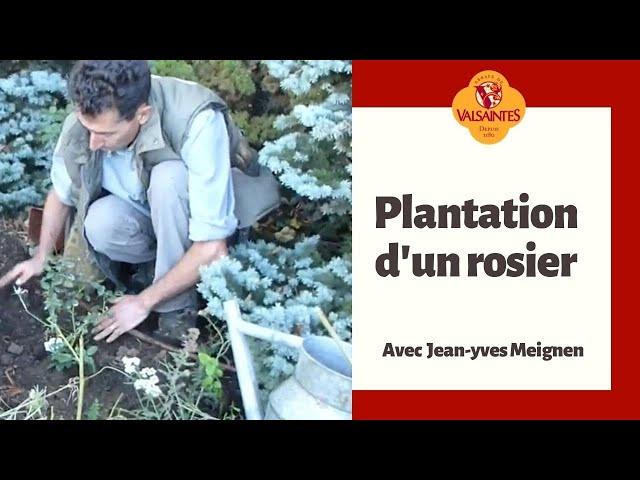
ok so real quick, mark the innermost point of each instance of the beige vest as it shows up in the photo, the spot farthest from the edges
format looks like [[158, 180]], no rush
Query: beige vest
[[175, 103]]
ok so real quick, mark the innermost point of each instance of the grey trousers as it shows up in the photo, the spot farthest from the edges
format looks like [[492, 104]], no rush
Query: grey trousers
[[116, 229]]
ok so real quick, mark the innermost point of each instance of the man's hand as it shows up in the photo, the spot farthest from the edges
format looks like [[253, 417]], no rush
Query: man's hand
[[23, 271], [128, 312]]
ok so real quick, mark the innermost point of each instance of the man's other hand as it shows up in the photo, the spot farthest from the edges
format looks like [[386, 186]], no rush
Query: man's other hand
[[128, 312], [23, 271]]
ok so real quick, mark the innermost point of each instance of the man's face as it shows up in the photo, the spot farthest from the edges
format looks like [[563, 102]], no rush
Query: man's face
[[108, 131]]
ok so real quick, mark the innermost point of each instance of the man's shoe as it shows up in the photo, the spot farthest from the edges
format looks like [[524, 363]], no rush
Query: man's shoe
[[173, 326], [141, 277]]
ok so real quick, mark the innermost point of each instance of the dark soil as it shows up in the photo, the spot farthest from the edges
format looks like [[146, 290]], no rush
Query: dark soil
[[24, 363]]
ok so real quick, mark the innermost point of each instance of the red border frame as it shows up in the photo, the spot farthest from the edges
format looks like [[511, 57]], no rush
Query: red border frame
[[558, 83]]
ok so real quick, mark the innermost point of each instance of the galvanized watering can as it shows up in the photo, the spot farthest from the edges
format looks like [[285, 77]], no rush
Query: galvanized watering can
[[319, 389]]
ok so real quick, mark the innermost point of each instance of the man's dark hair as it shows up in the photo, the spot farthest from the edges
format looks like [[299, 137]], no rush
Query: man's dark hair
[[96, 86]]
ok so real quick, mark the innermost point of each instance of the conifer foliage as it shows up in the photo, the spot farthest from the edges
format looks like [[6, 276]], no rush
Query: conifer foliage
[[32, 106]]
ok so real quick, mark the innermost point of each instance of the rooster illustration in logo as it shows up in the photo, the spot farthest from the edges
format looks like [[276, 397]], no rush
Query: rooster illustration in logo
[[489, 94]]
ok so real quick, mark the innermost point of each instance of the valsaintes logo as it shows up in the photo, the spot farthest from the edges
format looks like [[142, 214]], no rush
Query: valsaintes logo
[[501, 107], [488, 94]]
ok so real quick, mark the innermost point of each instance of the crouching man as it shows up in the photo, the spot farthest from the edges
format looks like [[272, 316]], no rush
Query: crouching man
[[143, 165]]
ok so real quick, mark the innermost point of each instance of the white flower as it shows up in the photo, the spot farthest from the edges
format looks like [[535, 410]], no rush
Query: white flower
[[53, 344], [148, 386], [131, 364], [146, 380], [140, 384], [154, 391]]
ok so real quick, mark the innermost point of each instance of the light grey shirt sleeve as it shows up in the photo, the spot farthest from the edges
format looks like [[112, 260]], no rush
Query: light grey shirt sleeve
[[211, 196], [60, 177]]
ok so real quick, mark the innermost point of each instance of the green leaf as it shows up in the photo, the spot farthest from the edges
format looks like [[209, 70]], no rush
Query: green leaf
[[88, 361], [91, 350], [93, 412]]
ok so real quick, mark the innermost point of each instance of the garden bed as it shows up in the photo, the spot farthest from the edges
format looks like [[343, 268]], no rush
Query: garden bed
[[25, 364]]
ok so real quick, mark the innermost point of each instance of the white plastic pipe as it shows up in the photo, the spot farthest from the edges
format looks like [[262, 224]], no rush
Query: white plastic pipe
[[243, 361], [269, 335]]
